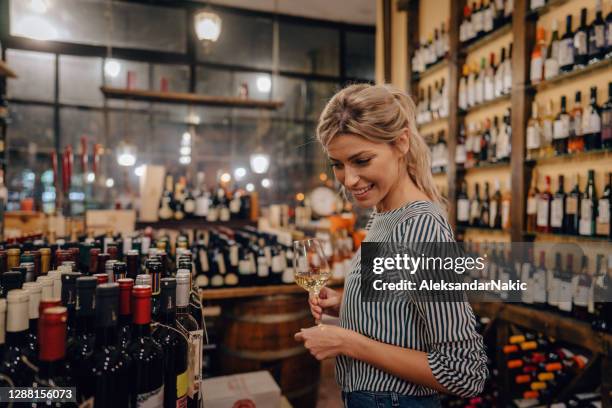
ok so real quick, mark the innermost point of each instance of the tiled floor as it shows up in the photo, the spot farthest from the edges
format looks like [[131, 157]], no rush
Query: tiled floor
[[329, 393]]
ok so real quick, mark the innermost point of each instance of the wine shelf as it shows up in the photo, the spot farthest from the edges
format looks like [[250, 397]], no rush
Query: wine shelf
[[551, 5], [484, 167], [593, 154], [570, 76], [259, 291], [485, 105], [6, 71], [438, 121], [565, 237], [552, 324], [192, 223], [487, 39], [463, 229], [187, 98], [438, 66]]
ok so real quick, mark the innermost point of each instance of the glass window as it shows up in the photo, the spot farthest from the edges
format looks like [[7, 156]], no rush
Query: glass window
[[176, 77], [138, 72], [244, 40], [292, 92], [31, 128], [85, 22], [215, 82], [317, 96], [310, 50], [360, 55], [80, 80], [36, 75], [77, 123]]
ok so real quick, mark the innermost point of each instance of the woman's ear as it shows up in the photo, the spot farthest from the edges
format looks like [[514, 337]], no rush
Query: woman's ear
[[403, 142]]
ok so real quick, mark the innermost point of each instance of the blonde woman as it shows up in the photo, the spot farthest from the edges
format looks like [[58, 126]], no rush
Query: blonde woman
[[391, 354]]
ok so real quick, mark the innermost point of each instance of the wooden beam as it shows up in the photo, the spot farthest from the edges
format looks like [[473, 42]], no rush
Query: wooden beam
[[412, 32], [387, 40]]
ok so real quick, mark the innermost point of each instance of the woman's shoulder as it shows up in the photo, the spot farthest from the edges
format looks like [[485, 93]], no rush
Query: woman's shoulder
[[423, 221]]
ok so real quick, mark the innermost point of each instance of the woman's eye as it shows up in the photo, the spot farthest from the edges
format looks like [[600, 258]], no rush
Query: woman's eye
[[336, 165], [362, 162]]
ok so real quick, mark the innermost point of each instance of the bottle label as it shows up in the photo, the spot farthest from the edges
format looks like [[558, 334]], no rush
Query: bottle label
[[571, 205], [153, 399], [586, 215], [599, 39], [564, 298], [221, 263], [463, 210], [224, 214], [542, 218], [233, 255], [195, 362], [201, 281], [533, 137], [556, 213], [547, 131], [278, 263], [561, 127], [535, 74], [581, 294], [532, 206], [577, 123], [493, 215], [205, 267], [202, 205], [507, 77], [190, 206], [606, 120], [594, 123], [603, 218], [539, 286], [212, 214], [566, 52], [460, 154], [182, 388], [580, 43], [235, 206], [551, 68], [505, 213]]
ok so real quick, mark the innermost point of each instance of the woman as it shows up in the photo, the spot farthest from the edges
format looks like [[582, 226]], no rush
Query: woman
[[391, 354]]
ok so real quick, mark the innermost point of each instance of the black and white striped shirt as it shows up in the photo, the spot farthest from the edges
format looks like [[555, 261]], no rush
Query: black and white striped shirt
[[444, 330]]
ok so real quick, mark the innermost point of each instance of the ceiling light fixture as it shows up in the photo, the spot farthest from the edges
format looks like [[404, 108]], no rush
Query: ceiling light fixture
[[207, 26]]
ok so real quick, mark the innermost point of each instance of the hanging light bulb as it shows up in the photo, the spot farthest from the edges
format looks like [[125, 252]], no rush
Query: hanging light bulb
[[112, 68], [250, 187], [207, 26], [126, 154], [266, 183], [239, 173], [260, 162], [264, 84]]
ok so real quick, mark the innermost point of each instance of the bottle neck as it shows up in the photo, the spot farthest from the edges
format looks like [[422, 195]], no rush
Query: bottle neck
[[51, 369], [34, 326], [85, 324], [141, 330], [168, 317]]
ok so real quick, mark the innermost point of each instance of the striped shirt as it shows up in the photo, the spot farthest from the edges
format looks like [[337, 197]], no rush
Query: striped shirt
[[444, 330]]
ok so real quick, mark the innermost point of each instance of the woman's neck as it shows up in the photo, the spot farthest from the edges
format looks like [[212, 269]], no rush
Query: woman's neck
[[404, 191]]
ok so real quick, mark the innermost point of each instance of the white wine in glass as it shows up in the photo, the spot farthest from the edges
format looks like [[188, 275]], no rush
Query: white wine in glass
[[311, 267]]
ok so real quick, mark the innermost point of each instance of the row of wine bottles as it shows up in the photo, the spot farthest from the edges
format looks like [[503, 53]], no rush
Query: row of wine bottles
[[121, 342], [576, 213], [590, 43], [432, 106], [429, 52], [482, 17], [583, 128], [485, 142], [439, 151], [484, 211], [572, 285], [490, 80], [178, 202]]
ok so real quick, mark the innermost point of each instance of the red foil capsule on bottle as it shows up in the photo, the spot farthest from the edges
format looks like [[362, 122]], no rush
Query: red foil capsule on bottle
[[52, 335], [141, 304]]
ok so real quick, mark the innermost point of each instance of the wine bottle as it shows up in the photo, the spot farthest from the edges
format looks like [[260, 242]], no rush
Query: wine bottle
[[603, 226], [35, 292], [155, 272], [175, 346], [8, 281], [576, 140], [53, 369], [543, 210], [606, 118], [147, 355], [194, 334], [505, 206], [499, 74], [591, 125], [231, 262], [557, 209], [565, 287], [165, 211], [540, 283], [602, 293], [588, 207], [532, 202], [536, 70], [125, 312], [553, 279], [561, 129], [533, 134], [189, 204], [475, 207], [597, 36], [508, 72], [81, 346], [179, 201], [13, 363], [566, 47], [582, 287], [551, 64], [68, 280], [111, 367], [485, 208], [527, 276], [581, 41], [572, 208]]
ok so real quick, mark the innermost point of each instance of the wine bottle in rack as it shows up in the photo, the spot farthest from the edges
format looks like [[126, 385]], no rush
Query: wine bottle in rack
[[543, 209], [588, 207], [606, 119], [533, 134], [597, 36], [602, 293], [561, 129], [603, 227], [565, 288], [581, 41], [566, 47], [592, 123], [165, 211], [35, 293], [532, 202], [553, 279], [540, 282], [475, 207], [557, 209], [576, 139], [582, 283]]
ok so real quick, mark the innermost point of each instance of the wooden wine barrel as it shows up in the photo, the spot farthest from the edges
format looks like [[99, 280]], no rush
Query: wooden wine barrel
[[257, 334]]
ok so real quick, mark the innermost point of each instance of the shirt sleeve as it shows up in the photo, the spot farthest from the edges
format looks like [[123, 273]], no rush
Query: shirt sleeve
[[455, 351]]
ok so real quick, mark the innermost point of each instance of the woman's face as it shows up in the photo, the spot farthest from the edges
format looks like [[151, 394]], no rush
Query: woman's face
[[368, 170]]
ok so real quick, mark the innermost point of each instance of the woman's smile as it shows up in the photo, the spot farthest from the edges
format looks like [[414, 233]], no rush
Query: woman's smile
[[361, 193]]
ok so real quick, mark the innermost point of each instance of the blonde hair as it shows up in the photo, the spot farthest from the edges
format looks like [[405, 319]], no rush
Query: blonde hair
[[380, 113]]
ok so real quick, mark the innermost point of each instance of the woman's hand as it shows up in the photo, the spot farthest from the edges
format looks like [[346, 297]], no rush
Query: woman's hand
[[327, 302], [325, 341]]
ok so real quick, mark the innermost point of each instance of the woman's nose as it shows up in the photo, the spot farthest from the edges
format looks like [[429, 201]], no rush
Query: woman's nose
[[351, 178]]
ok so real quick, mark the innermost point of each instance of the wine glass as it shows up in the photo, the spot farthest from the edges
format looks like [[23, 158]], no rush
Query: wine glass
[[311, 269]]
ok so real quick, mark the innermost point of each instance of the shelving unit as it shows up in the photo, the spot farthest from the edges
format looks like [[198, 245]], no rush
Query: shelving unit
[[437, 67], [487, 39], [570, 76], [486, 105]]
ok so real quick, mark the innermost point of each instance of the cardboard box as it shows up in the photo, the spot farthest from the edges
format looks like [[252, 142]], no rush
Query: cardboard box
[[249, 390]]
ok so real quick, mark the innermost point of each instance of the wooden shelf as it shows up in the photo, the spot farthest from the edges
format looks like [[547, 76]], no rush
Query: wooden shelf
[[570, 76], [6, 71], [590, 155], [552, 324], [551, 5], [438, 121], [438, 66], [484, 167], [487, 39], [256, 291], [192, 223], [462, 228], [486, 105], [187, 98], [565, 237]]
